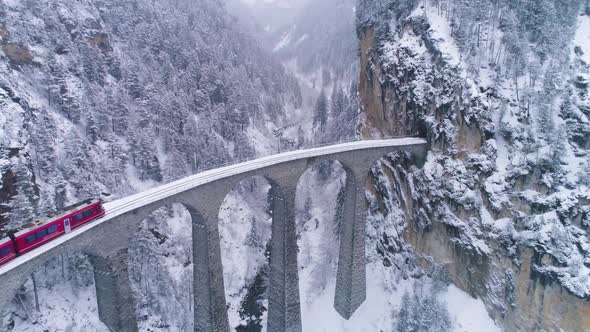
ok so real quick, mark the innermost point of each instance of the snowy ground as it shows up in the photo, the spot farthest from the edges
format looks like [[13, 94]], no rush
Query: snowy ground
[[582, 38], [385, 289], [318, 259], [318, 239], [67, 299]]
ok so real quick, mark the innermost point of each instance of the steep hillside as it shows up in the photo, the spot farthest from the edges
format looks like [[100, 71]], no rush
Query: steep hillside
[[320, 36], [315, 40], [97, 95], [105, 98], [500, 88], [318, 46]]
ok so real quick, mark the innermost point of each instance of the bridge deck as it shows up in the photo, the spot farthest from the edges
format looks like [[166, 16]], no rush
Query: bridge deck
[[132, 202]]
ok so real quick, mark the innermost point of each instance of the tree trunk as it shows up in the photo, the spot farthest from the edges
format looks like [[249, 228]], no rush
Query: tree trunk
[[35, 292]]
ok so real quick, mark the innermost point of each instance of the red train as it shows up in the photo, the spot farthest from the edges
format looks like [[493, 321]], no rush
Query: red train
[[40, 232]]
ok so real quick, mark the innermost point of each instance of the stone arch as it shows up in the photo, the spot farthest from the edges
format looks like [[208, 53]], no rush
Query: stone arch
[[54, 285], [283, 283], [340, 246], [245, 228], [161, 271]]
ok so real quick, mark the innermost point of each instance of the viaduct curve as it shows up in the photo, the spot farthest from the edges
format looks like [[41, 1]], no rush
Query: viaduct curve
[[202, 194]]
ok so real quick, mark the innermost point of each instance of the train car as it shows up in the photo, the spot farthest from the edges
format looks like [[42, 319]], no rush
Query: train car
[[41, 232], [7, 251]]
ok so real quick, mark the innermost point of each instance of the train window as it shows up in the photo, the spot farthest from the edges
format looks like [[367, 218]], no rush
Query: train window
[[79, 216], [31, 238], [5, 251], [52, 229], [82, 215], [42, 233]]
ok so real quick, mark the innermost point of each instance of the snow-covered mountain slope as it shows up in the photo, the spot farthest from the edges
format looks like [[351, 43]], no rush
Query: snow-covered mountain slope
[[502, 203], [118, 96], [99, 94], [320, 37], [316, 43], [270, 14]]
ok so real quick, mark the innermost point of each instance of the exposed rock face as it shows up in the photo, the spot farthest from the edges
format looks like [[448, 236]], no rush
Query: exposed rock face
[[516, 295], [383, 112], [503, 246]]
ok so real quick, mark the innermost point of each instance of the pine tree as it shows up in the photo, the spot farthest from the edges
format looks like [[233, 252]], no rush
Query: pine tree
[[144, 158], [440, 279], [439, 315], [175, 167], [44, 144], [119, 113], [56, 81], [61, 196], [22, 206], [133, 84], [252, 239], [21, 211], [559, 148], [426, 313], [578, 132], [46, 202], [306, 213], [403, 322], [77, 165], [321, 112], [92, 131], [326, 77], [338, 102], [62, 93], [414, 311], [89, 63], [201, 101], [550, 84], [70, 105]]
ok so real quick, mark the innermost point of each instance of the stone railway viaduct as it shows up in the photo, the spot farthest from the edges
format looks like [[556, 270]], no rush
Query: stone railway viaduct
[[107, 240]]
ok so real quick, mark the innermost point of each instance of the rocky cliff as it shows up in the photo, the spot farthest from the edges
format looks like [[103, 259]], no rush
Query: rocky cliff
[[502, 200]]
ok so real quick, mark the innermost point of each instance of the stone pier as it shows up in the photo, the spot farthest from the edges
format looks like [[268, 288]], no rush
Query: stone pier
[[284, 312], [351, 290], [116, 307]]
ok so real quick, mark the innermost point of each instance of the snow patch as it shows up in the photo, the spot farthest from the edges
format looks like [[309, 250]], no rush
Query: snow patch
[[582, 37], [468, 314], [441, 32], [300, 40], [284, 42]]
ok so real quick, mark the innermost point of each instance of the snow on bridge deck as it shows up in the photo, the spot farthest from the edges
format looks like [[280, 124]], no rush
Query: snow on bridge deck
[[135, 201]]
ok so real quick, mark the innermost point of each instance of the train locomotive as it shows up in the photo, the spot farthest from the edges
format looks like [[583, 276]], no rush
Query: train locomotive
[[38, 233]]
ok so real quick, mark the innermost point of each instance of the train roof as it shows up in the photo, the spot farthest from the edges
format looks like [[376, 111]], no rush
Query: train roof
[[67, 210], [4, 241]]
